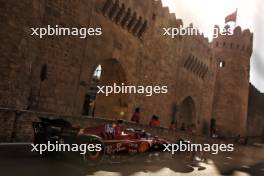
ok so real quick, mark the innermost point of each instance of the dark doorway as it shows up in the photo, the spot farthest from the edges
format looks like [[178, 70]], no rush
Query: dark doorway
[[187, 113]]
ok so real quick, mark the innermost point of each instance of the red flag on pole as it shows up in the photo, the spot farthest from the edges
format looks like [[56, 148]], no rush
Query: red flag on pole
[[231, 17]]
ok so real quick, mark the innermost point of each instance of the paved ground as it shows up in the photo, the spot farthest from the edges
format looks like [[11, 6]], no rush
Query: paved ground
[[17, 160]]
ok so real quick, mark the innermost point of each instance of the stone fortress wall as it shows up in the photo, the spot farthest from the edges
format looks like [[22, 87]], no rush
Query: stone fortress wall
[[53, 74], [255, 124], [232, 86]]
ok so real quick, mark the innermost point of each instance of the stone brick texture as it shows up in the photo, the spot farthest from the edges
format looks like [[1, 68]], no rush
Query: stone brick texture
[[255, 121], [131, 50]]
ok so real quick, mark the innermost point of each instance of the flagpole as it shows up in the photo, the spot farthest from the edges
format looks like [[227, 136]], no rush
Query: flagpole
[[236, 19]]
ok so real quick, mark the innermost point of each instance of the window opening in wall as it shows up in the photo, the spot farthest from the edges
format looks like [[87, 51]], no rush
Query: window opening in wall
[[153, 16], [43, 72], [221, 64], [216, 44], [90, 96], [98, 72]]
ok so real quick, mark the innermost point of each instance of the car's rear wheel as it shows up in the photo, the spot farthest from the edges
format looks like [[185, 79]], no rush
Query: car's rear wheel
[[143, 147], [94, 157]]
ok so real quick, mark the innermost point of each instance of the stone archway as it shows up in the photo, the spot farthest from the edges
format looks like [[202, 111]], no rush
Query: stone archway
[[187, 113], [113, 106]]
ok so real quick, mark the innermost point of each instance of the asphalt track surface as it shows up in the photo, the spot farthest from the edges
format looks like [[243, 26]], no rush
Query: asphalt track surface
[[18, 160]]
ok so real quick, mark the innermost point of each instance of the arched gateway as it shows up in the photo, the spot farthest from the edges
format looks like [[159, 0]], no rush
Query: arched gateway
[[113, 106], [187, 113]]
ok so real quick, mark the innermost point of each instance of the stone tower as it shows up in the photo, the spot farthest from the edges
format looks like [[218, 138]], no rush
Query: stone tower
[[230, 105]]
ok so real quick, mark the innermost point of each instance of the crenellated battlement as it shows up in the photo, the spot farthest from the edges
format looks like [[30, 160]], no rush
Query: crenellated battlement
[[134, 18], [199, 36], [239, 41], [137, 21], [126, 17]]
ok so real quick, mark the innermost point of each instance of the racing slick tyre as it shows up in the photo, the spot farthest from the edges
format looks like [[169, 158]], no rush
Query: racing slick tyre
[[94, 157]]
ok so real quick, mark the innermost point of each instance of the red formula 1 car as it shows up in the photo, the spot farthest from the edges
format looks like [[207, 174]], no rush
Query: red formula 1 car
[[114, 139]]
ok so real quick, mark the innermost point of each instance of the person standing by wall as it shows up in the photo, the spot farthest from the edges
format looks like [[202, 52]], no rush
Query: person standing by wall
[[136, 115], [212, 127], [154, 122]]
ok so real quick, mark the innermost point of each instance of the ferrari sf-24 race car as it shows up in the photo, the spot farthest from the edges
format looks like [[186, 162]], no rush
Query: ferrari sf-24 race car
[[114, 139]]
